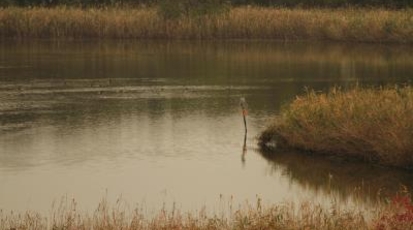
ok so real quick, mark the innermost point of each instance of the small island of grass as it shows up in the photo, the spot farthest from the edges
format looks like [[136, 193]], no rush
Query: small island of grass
[[372, 124]]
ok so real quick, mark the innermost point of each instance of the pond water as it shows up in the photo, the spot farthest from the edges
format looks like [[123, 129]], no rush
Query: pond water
[[159, 122]]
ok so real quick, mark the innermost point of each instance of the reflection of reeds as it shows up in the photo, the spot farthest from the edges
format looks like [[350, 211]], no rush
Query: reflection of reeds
[[344, 180], [371, 124], [266, 61], [378, 25]]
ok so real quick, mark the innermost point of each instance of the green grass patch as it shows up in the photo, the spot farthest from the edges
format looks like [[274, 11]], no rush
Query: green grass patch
[[373, 124]]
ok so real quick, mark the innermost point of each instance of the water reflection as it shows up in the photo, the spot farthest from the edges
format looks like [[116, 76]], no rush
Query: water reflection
[[342, 179], [140, 117], [70, 64]]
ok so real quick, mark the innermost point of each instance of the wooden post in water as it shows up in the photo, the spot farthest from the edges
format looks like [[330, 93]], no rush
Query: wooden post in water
[[244, 107], [244, 149]]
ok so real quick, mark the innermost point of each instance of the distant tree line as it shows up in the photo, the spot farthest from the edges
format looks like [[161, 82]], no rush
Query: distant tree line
[[286, 3]]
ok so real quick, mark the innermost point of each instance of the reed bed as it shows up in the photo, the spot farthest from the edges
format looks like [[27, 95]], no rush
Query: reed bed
[[347, 24], [373, 124], [306, 215], [396, 214]]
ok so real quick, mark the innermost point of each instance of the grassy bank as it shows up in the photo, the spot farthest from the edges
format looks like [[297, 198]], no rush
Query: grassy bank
[[397, 214], [371, 124], [358, 25]]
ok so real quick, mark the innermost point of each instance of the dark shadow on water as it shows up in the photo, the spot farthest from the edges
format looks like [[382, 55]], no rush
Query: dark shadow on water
[[364, 182]]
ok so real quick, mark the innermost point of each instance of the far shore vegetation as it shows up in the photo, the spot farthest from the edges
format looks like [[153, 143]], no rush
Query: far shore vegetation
[[287, 3], [396, 214], [357, 21], [371, 124]]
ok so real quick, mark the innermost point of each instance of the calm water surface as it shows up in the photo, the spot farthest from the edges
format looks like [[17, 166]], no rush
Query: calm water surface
[[159, 122]]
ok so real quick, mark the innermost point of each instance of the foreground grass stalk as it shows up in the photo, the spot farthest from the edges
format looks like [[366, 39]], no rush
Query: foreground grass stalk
[[360, 25], [397, 214], [283, 216], [371, 124]]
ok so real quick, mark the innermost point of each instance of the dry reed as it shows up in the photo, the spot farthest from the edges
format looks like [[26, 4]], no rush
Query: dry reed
[[396, 214], [360, 25], [371, 124], [306, 215]]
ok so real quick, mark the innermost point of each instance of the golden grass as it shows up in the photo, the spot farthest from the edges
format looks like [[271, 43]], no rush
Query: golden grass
[[371, 124], [360, 25], [306, 215], [397, 213]]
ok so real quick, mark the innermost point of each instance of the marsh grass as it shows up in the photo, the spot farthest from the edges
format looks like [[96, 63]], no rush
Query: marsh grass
[[347, 24], [306, 215], [397, 213], [373, 124]]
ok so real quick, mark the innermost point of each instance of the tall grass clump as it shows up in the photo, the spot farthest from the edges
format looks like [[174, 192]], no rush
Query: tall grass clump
[[373, 124]]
